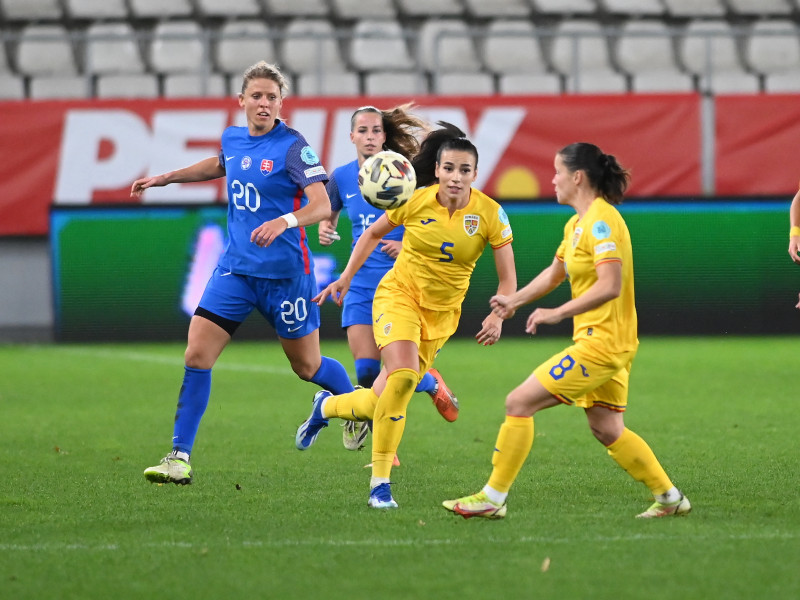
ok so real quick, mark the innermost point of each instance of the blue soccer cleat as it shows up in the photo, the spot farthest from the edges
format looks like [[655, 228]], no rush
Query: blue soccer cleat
[[309, 429], [381, 497]]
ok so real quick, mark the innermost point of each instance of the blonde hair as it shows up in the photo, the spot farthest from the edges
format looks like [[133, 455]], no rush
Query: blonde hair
[[264, 70]]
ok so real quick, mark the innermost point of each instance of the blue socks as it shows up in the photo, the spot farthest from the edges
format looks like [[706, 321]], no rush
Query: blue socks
[[426, 384], [332, 376], [192, 403], [196, 389], [367, 371]]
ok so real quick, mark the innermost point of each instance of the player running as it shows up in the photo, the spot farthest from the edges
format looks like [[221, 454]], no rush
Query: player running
[[418, 303], [276, 187], [373, 130], [596, 256]]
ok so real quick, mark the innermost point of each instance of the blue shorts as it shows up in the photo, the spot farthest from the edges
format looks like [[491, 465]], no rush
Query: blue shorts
[[285, 303], [357, 306]]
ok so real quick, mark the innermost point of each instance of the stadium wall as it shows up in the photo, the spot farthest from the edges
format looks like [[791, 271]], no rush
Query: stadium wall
[[85, 154], [137, 273], [79, 153], [26, 307]]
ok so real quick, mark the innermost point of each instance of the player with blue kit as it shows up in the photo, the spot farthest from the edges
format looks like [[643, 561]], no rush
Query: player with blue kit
[[276, 187]]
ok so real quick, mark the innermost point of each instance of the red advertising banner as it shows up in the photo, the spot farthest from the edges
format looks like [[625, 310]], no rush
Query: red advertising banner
[[85, 152], [757, 143]]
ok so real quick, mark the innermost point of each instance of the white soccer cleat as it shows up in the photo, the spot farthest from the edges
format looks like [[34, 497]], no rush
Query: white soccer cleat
[[675, 509], [171, 469], [354, 434], [476, 505]]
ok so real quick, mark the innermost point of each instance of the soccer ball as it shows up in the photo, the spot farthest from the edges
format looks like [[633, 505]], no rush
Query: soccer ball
[[387, 180]]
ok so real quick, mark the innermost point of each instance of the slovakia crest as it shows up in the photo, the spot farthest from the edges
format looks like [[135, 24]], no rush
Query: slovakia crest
[[471, 223], [266, 166]]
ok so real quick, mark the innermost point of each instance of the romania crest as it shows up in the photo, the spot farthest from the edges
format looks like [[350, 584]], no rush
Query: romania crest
[[576, 236], [471, 223]]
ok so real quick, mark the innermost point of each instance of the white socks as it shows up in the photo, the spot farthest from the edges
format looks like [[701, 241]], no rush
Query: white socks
[[671, 496], [498, 498], [376, 481]]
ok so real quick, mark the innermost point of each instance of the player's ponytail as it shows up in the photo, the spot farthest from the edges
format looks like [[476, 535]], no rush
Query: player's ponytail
[[605, 174], [400, 127], [449, 137]]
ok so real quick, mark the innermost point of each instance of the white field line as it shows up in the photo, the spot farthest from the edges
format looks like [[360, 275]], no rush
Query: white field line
[[176, 362], [393, 543]]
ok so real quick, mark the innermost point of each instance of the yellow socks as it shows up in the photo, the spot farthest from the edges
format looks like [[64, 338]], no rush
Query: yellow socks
[[354, 406], [515, 440], [389, 420], [634, 455], [513, 445]]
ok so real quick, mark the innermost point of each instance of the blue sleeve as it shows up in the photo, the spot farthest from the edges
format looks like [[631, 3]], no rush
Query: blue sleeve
[[332, 188], [303, 166]]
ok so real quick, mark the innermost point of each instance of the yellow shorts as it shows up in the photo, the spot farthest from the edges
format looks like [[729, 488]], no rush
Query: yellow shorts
[[395, 317], [579, 377]]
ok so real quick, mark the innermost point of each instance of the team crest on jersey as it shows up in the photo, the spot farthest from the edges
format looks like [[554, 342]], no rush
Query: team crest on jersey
[[576, 236], [247, 162], [308, 156], [266, 166], [471, 223]]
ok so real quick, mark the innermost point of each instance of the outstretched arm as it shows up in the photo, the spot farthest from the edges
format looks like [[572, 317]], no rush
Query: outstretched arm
[[206, 169], [550, 278]]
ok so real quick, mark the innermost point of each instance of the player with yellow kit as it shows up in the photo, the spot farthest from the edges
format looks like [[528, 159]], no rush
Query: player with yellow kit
[[417, 304], [596, 256]]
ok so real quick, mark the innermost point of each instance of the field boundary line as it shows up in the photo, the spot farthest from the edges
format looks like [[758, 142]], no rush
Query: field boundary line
[[644, 537], [155, 359]]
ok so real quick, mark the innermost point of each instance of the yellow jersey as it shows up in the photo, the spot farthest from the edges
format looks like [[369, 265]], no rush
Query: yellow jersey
[[601, 236], [440, 251]]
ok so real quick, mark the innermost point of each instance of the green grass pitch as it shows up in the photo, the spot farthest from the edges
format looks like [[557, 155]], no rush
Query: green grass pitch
[[79, 423]]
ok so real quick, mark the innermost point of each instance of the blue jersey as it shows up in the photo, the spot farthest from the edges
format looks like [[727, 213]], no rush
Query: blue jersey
[[266, 176], [344, 193]]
